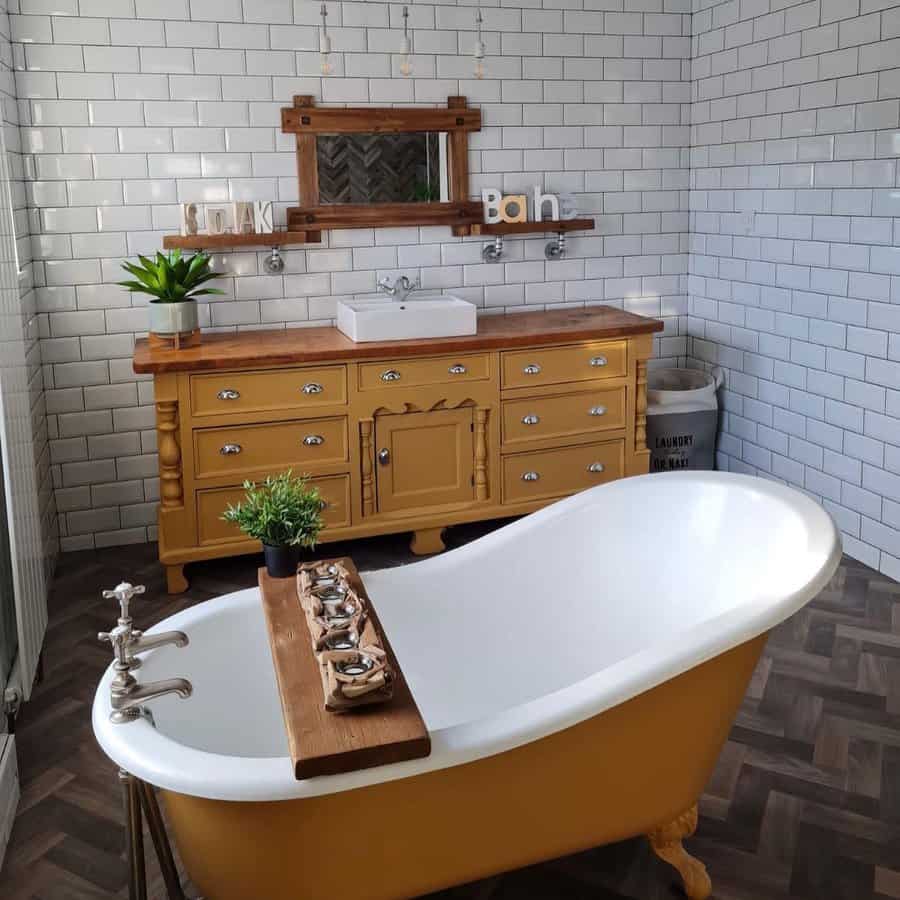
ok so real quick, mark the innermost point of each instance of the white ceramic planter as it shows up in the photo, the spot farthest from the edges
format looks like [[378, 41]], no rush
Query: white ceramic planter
[[169, 319]]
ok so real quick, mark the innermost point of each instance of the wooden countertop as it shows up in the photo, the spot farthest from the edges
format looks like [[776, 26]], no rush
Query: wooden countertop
[[308, 345]]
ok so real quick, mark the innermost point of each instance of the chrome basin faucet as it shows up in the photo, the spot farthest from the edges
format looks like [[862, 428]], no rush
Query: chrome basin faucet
[[126, 694], [401, 287]]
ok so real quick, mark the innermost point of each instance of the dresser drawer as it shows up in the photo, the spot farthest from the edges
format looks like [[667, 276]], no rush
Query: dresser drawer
[[558, 365], [554, 473], [416, 372], [243, 449], [211, 504], [564, 415], [220, 395]]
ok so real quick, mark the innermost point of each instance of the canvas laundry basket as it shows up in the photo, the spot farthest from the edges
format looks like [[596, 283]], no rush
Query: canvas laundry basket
[[682, 418]]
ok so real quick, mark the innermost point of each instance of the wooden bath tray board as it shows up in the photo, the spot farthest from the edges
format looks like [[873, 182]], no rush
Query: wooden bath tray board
[[322, 742]]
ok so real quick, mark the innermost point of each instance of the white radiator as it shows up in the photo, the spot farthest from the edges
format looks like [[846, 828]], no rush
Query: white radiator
[[19, 464], [20, 489]]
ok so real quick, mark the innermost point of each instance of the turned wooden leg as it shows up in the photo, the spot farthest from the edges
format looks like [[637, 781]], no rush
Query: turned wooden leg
[[176, 583], [666, 843], [427, 541]]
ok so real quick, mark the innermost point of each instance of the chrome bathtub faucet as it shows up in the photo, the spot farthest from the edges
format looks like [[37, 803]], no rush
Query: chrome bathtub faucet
[[137, 641], [400, 288], [126, 694]]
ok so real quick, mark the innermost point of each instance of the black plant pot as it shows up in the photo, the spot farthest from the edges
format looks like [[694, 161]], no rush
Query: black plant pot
[[282, 561]]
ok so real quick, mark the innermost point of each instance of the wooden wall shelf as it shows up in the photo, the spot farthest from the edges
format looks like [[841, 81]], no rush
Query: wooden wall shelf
[[229, 241], [544, 227]]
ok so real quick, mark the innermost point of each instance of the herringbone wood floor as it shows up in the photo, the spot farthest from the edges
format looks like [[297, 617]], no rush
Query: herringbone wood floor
[[804, 803]]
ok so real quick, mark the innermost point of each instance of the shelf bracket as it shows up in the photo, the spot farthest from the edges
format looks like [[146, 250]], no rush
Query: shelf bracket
[[273, 264], [493, 252], [556, 249]]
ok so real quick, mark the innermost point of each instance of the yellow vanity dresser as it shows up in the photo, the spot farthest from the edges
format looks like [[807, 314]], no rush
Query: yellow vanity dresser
[[397, 435]]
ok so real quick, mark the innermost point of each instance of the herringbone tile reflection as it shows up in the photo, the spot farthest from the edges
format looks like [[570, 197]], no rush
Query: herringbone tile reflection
[[804, 803]]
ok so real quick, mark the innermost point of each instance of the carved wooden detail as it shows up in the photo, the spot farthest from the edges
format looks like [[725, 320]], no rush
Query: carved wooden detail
[[640, 407], [368, 467], [406, 407], [170, 485], [481, 461], [666, 844]]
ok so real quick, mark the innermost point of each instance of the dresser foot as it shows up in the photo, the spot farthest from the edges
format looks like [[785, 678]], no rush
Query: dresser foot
[[176, 583], [427, 541]]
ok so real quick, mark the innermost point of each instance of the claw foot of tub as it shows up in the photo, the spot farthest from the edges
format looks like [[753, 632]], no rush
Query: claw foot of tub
[[666, 844], [176, 583], [426, 541]]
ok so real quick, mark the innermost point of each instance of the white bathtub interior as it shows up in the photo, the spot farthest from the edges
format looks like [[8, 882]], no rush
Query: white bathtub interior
[[531, 608]]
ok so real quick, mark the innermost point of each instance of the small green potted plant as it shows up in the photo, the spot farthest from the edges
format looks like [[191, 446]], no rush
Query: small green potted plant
[[284, 514], [174, 281]]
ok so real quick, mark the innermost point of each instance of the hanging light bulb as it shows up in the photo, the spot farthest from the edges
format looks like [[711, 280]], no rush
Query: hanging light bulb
[[478, 54], [405, 46], [325, 42]]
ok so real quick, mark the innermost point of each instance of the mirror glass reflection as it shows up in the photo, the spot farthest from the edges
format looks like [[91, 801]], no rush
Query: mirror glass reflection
[[382, 168]]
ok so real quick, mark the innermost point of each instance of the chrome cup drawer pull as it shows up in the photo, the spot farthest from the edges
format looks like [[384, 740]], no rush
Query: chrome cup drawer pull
[[533, 369], [390, 375], [598, 361], [312, 387], [530, 419], [531, 476], [323, 505], [596, 468], [229, 394], [458, 369], [313, 440], [597, 411], [230, 449]]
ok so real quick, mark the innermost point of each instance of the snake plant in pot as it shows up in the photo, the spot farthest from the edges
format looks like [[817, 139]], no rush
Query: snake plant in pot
[[284, 514], [174, 282]]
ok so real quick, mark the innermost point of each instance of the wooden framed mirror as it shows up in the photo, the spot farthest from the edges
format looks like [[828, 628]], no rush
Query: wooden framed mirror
[[366, 167]]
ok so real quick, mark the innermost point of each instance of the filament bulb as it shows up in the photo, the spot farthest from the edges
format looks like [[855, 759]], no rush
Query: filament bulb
[[325, 42], [479, 59], [479, 52], [405, 46]]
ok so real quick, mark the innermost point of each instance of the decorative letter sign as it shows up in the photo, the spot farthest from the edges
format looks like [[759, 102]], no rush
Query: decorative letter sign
[[514, 208], [491, 198], [540, 199], [262, 216], [243, 217], [188, 218], [216, 219]]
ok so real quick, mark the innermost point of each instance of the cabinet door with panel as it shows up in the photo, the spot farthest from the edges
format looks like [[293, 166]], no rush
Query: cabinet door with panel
[[424, 459]]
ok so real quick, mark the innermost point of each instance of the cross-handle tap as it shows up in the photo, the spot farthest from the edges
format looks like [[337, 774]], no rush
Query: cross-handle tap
[[124, 592], [126, 694], [128, 640], [401, 287]]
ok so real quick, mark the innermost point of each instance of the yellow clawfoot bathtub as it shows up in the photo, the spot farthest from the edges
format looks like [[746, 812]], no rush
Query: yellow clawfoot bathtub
[[578, 671]]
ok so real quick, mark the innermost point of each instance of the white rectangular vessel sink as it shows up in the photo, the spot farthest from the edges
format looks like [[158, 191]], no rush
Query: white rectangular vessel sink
[[424, 316]]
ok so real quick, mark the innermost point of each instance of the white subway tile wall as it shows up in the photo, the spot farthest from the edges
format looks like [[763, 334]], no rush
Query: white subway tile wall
[[131, 108], [794, 285], [753, 143]]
